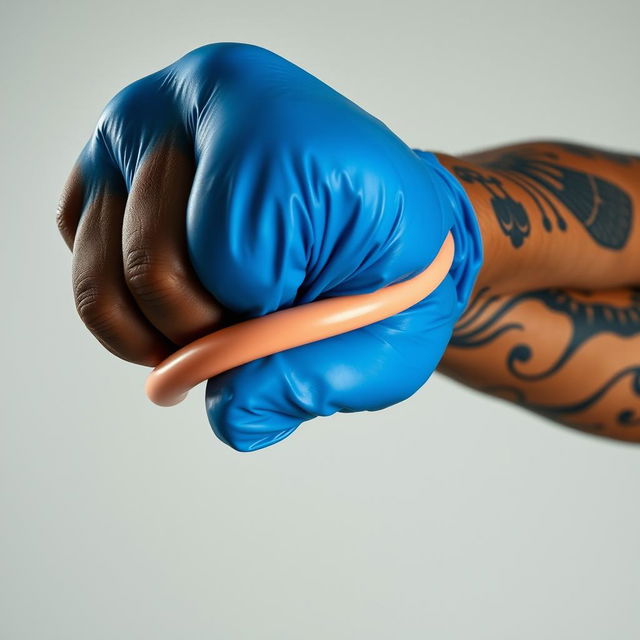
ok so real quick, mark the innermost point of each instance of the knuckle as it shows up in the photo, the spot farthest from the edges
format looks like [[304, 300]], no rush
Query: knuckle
[[151, 281], [98, 316], [61, 221], [70, 205], [220, 57], [128, 102]]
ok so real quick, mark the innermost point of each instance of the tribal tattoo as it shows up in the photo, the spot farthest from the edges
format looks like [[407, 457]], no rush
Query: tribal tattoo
[[601, 207], [605, 399]]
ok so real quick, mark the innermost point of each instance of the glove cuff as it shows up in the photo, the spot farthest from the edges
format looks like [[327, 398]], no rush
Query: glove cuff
[[469, 254]]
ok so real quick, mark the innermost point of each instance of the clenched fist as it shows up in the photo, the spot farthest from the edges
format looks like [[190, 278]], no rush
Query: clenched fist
[[231, 184]]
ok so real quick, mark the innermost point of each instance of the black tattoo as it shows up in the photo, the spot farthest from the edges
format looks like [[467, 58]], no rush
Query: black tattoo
[[475, 329], [512, 216], [484, 321], [601, 207], [561, 413]]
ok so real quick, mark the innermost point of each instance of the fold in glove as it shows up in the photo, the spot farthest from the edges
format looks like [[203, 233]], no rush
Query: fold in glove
[[298, 195]]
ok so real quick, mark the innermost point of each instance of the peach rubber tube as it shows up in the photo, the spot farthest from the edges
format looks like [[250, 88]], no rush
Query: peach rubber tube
[[171, 380]]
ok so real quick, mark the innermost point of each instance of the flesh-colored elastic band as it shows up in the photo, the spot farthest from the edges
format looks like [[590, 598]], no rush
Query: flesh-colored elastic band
[[170, 381]]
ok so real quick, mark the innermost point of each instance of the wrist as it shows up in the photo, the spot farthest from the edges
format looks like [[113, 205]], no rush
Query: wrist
[[467, 235], [504, 269]]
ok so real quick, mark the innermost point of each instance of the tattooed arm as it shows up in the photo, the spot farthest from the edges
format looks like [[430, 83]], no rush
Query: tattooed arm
[[554, 215], [554, 324], [569, 355]]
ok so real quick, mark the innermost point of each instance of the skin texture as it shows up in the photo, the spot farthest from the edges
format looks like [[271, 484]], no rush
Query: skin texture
[[133, 283], [554, 321]]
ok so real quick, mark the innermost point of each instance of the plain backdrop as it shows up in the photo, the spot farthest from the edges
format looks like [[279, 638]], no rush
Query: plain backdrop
[[451, 515]]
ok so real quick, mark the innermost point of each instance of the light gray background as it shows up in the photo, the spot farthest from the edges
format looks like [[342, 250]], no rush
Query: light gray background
[[451, 515]]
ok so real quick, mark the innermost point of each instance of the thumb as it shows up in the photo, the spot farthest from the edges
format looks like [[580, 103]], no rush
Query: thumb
[[260, 403]]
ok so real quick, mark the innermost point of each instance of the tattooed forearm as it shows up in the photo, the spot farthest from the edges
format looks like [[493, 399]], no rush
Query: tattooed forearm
[[554, 324], [554, 214], [603, 208], [571, 356]]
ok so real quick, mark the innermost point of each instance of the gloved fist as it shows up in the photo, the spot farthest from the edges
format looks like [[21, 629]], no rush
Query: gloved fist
[[233, 182]]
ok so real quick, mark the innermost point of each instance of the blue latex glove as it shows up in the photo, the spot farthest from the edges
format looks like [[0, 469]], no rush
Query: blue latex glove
[[299, 194]]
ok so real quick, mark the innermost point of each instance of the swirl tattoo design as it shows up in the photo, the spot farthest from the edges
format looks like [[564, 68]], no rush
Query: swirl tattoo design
[[484, 321]]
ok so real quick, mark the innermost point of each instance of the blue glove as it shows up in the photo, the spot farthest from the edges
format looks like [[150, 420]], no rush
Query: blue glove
[[299, 194]]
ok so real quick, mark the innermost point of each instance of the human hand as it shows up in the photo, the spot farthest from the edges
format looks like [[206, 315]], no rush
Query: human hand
[[234, 181]]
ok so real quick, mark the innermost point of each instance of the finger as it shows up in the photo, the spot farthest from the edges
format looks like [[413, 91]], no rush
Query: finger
[[264, 401], [102, 298], [70, 206], [157, 268]]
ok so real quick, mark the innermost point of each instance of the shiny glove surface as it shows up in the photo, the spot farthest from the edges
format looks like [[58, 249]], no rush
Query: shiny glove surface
[[295, 194]]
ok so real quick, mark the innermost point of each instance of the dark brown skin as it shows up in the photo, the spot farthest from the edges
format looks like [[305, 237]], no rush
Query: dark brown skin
[[133, 283], [554, 321]]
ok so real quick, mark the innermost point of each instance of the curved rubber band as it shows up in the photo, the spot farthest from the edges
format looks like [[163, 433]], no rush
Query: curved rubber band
[[170, 381]]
